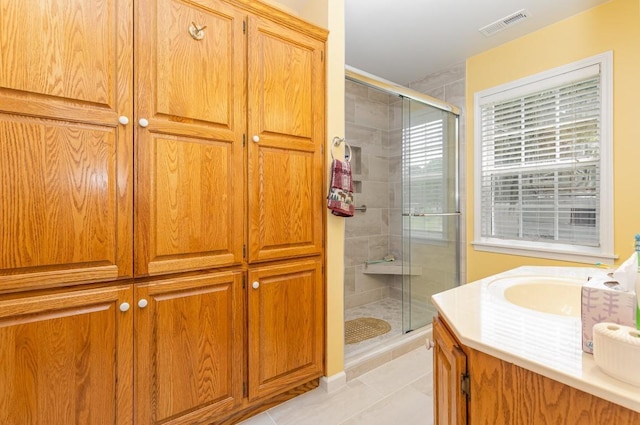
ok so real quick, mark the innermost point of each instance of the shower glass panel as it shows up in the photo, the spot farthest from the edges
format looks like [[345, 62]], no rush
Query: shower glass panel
[[430, 210]]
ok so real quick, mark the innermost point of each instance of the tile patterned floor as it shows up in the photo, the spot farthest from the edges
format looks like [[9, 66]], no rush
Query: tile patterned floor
[[388, 309], [398, 392]]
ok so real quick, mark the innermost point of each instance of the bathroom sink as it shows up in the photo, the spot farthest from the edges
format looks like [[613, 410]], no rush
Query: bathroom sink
[[552, 295]]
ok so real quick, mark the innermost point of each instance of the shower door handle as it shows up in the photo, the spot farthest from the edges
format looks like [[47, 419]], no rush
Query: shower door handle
[[430, 214]]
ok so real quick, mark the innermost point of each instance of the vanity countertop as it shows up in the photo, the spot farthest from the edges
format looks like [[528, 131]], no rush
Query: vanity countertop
[[547, 344]]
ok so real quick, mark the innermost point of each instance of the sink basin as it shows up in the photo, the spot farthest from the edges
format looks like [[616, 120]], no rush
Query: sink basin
[[552, 295]]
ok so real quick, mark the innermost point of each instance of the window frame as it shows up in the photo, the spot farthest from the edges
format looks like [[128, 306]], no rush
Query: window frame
[[556, 251]]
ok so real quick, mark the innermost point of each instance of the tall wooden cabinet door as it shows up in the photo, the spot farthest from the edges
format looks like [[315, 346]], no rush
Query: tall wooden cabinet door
[[189, 348], [449, 365], [66, 358], [286, 326], [286, 132], [190, 76], [66, 174]]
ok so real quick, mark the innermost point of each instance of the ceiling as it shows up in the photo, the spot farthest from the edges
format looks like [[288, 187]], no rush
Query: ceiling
[[405, 40]]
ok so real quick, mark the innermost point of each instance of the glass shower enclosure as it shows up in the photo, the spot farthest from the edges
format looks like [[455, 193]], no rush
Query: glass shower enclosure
[[417, 136], [430, 209]]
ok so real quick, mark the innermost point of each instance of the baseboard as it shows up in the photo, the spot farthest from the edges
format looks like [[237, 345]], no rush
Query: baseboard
[[334, 382]]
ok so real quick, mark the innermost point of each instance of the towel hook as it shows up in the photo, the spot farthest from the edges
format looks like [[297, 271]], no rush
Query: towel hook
[[336, 142]]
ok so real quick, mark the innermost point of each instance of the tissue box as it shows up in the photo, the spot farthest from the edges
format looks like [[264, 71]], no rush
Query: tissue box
[[603, 303]]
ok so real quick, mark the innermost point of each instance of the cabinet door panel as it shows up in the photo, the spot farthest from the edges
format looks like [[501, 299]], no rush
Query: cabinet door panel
[[189, 198], [189, 348], [67, 358], [286, 322], [286, 110], [449, 364], [65, 161]]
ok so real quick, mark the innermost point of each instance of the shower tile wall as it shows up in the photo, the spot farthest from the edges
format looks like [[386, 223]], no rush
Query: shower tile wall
[[367, 234]]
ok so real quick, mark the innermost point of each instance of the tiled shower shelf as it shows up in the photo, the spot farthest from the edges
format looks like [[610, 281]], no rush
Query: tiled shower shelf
[[392, 267]]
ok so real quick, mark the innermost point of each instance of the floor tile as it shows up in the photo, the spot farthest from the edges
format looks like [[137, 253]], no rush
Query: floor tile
[[398, 392], [261, 419], [400, 372], [407, 407], [319, 408]]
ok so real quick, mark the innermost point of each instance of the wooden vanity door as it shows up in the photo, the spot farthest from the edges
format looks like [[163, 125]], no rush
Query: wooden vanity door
[[449, 364], [286, 135], [66, 174], [191, 94]]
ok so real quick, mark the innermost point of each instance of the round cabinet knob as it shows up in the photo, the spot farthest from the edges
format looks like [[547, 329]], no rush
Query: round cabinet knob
[[124, 307], [256, 138], [123, 120], [142, 303], [429, 344], [256, 285], [143, 122]]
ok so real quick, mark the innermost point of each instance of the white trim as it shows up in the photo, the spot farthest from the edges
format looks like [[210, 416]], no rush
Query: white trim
[[542, 250], [333, 383]]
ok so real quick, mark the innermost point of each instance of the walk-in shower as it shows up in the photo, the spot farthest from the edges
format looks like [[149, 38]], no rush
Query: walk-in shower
[[404, 246]]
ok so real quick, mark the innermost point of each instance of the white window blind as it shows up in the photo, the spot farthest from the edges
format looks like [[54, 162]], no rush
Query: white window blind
[[424, 191], [540, 163]]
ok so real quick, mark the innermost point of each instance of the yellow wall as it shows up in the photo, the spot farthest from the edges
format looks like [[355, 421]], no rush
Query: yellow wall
[[330, 14], [612, 26]]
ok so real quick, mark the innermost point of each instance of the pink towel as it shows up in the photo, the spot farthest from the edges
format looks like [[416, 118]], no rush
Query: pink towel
[[340, 199]]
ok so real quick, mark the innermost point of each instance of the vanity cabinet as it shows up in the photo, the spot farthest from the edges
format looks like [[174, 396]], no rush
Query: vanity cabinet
[[502, 393], [449, 374], [157, 157]]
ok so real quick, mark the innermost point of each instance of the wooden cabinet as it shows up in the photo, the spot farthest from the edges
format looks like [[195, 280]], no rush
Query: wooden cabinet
[[449, 374], [65, 160], [191, 92], [286, 326], [286, 128], [501, 393], [189, 348], [67, 357], [217, 174]]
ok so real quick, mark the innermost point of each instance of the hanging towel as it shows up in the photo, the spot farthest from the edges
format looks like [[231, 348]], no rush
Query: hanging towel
[[340, 199]]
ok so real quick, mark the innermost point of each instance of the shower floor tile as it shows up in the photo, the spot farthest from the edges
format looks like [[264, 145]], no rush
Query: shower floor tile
[[388, 309]]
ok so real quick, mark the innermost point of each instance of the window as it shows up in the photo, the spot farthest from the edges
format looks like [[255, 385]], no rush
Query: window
[[543, 178]]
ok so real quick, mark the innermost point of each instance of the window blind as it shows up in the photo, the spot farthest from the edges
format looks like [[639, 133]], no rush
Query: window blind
[[540, 164]]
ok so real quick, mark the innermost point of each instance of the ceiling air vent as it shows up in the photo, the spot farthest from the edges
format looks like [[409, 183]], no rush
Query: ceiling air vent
[[505, 22]]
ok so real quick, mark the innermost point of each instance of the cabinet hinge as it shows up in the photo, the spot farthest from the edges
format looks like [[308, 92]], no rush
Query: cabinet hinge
[[244, 140], [244, 281], [322, 55], [244, 251], [244, 390], [465, 385], [244, 27]]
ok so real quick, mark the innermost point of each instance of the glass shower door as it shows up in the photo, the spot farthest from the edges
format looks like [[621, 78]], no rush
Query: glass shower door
[[430, 209]]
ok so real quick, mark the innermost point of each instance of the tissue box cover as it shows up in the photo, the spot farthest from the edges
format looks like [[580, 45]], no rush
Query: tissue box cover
[[603, 304]]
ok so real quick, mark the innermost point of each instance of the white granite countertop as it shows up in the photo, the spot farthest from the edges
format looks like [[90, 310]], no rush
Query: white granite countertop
[[547, 344]]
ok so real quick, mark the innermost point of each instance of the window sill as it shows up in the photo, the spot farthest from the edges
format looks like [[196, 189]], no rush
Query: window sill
[[548, 251]]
